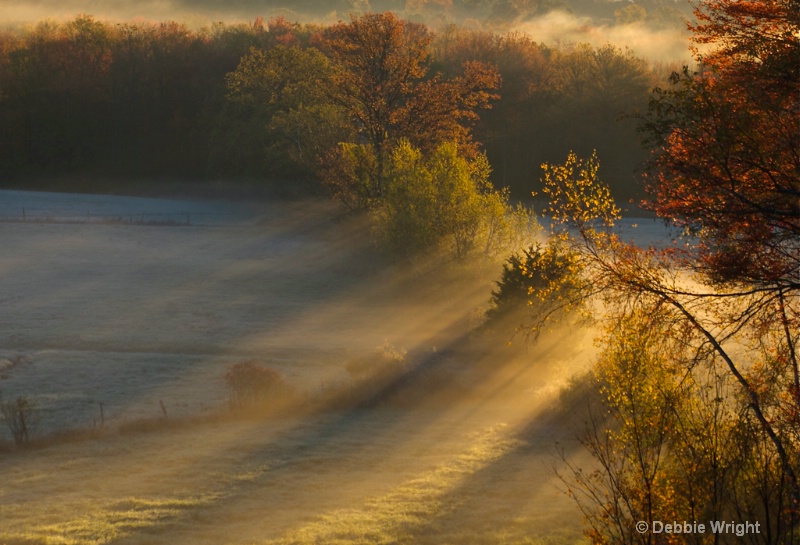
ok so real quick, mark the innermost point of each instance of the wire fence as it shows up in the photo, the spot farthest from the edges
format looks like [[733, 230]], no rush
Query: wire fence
[[176, 219]]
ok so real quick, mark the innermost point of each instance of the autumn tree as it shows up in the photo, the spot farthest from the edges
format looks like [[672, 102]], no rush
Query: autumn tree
[[58, 83], [121, 98], [701, 416], [382, 82], [725, 171], [726, 143]]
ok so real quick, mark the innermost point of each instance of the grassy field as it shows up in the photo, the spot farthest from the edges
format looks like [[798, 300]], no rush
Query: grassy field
[[457, 448]]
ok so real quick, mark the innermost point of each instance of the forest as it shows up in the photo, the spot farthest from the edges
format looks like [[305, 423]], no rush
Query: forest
[[95, 99]]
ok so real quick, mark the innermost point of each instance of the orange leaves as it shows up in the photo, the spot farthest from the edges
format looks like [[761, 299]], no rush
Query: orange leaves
[[439, 110], [746, 30], [701, 372], [381, 56], [383, 63]]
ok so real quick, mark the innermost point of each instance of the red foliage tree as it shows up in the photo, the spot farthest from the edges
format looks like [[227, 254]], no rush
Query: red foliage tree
[[726, 168], [727, 140]]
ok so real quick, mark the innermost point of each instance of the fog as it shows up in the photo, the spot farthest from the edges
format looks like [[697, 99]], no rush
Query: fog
[[666, 41], [121, 315], [102, 306], [559, 28]]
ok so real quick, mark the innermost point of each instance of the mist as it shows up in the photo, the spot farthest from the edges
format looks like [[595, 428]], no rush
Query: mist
[[454, 442], [660, 44], [121, 317], [665, 41]]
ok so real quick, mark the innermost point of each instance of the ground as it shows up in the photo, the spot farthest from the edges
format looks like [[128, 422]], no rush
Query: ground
[[131, 303]]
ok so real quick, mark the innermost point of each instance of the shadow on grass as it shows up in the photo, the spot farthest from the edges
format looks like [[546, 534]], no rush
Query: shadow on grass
[[354, 433], [489, 493]]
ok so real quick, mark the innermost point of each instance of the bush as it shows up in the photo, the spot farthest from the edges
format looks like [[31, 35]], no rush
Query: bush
[[386, 360], [541, 275], [21, 417], [250, 383]]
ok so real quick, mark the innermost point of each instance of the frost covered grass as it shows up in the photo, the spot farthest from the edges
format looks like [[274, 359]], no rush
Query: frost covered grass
[[451, 446]]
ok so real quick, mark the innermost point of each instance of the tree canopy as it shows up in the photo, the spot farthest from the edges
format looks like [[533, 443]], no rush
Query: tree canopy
[[151, 99]]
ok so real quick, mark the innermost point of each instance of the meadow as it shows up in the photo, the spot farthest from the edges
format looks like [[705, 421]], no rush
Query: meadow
[[126, 303]]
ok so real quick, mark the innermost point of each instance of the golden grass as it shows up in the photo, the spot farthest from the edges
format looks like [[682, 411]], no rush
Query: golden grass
[[398, 516], [418, 456], [117, 520]]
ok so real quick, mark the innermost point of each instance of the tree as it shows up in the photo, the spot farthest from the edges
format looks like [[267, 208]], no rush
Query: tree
[[727, 169], [727, 144], [539, 275], [58, 79], [282, 93], [250, 383], [554, 98], [380, 80], [443, 197], [21, 417], [699, 379]]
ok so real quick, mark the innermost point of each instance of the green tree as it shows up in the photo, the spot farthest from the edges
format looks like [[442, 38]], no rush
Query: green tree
[[543, 275], [282, 94], [443, 198]]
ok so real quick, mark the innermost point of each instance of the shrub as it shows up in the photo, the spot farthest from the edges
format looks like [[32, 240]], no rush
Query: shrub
[[250, 383], [386, 360], [444, 198], [541, 275], [21, 417], [373, 376]]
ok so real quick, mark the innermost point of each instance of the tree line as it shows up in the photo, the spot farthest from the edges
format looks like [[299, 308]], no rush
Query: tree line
[[160, 99]]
